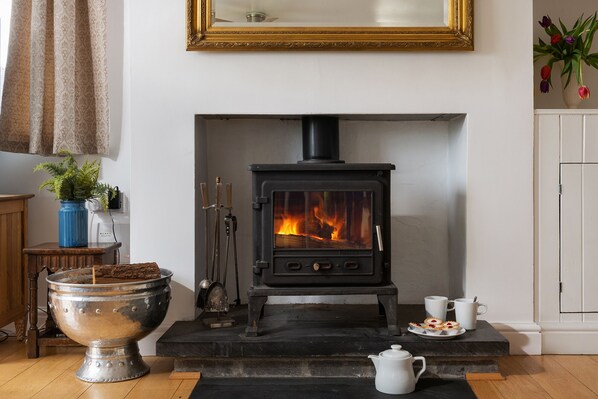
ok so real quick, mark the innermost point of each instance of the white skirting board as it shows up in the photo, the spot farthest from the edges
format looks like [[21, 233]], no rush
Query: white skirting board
[[524, 338], [569, 338], [550, 338]]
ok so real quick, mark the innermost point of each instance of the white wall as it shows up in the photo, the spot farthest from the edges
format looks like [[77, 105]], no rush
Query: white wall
[[491, 85], [164, 86], [568, 11]]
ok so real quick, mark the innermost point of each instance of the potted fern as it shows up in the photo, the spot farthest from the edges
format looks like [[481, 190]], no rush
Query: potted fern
[[73, 185]]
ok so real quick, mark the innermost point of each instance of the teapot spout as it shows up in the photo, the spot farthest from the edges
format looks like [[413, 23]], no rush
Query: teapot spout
[[375, 359]]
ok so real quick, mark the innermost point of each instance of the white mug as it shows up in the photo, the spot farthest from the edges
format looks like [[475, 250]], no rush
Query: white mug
[[467, 312], [437, 306]]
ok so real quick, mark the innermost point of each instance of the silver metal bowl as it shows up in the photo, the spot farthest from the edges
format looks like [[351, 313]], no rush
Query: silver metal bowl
[[109, 319]]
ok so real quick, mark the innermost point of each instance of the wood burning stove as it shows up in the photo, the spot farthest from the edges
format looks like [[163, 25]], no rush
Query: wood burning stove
[[321, 227], [321, 224]]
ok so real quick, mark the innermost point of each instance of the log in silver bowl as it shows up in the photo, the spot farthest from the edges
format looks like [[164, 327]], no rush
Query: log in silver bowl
[[109, 319]]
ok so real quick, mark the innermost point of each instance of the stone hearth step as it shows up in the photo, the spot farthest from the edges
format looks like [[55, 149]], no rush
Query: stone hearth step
[[323, 340]]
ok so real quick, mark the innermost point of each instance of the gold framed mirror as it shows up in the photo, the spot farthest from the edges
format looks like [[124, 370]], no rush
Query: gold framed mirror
[[330, 25]]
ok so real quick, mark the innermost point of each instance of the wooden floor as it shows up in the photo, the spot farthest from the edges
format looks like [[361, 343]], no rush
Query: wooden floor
[[53, 376]]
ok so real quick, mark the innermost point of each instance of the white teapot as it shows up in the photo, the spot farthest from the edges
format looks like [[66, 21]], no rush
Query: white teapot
[[394, 370]]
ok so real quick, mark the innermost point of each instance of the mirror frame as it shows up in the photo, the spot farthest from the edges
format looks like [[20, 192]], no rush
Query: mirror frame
[[457, 36]]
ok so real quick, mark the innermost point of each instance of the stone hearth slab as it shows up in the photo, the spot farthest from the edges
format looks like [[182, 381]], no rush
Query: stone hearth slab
[[331, 340]]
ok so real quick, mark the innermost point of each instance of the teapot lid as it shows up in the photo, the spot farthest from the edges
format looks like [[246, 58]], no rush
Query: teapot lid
[[395, 352]]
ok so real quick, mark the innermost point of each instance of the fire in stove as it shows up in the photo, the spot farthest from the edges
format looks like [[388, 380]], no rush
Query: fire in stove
[[323, 219]]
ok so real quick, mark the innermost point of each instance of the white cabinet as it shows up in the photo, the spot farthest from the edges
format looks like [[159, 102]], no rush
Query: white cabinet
[[566, 229]]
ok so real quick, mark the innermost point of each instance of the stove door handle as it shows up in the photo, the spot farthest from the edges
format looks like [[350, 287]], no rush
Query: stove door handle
[[379, 235]]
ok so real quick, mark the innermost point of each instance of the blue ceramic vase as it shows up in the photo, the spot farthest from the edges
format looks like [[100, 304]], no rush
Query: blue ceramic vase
[[72, 224]]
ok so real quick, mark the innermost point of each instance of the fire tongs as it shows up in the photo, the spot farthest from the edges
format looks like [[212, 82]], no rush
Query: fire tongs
[[230, 225], [212, 297]]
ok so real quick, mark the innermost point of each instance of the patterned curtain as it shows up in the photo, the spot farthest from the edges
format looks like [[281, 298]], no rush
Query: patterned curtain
[[55, 88]]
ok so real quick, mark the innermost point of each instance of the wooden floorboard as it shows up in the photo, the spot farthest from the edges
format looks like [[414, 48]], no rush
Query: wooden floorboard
[[8, 347], [156, 384], [518, 383], [52, 375], [35, 378], [13, 365], [554, 378], [66, 385], [584, 368]]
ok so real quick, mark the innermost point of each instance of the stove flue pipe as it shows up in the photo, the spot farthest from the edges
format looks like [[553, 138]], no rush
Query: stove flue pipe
[[320, 139]]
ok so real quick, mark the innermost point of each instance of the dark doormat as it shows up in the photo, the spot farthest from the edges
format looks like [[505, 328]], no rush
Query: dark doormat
[[322, 388]]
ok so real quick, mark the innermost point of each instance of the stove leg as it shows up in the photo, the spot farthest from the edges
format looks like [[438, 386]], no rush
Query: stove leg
[[254, 310], [381, 311], [389, 302]]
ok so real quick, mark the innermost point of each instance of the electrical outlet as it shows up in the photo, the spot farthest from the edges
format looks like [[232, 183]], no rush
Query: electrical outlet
[[106, 227], [105, 236], [103, 229]]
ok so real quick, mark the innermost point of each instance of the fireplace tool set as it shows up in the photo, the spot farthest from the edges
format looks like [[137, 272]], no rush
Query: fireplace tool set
[[213, 297]]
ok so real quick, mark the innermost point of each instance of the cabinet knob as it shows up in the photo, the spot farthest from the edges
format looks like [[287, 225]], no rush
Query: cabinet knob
[[316, 266]]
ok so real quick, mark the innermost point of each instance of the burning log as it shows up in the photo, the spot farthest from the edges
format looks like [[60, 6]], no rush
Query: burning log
[[319, 229], [299, 241]]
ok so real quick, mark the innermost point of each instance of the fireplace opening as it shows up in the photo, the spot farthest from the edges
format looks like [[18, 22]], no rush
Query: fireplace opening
[[427, 199]]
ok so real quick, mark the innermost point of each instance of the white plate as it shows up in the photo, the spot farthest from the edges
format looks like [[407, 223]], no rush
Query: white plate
[[441, 337]]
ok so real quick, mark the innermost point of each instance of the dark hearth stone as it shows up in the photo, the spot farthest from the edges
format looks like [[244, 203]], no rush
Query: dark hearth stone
[[322, 388], [323, 340]]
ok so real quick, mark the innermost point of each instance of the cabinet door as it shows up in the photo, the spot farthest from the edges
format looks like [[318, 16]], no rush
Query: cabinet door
[[589, 271], [579, 237], [12, 296], [571, 237]]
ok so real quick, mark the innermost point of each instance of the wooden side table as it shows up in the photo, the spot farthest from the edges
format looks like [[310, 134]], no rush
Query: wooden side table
[[54, 258]]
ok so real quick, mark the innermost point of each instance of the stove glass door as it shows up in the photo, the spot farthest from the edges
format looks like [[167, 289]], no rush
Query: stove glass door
[[322, 219]]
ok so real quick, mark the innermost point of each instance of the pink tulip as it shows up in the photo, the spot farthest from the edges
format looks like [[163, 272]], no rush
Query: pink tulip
[[554, 39], [584, 92], [545, 72]]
